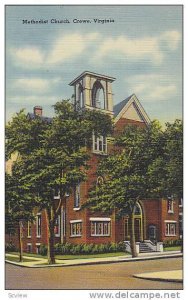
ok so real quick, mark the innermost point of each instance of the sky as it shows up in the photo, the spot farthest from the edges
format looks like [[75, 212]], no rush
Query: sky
[[141, 47]]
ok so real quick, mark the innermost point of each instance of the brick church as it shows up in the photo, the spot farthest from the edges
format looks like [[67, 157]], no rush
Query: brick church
[[156, 220]]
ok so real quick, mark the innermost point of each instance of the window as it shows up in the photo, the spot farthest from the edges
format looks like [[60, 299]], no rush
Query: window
[[38, 248], [28, 229], [100, 228], [170, 229], [29, 248], [181, 202], [170, 206], [75, 228], [99, 144], [77, 196], [81, 97], [98, 96], [57, 227], [38, 226]]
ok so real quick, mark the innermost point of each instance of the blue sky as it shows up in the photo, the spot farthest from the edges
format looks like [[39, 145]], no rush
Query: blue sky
[[142, 49]]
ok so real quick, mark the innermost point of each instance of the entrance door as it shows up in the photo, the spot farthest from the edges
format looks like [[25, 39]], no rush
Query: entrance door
[[137, 228], [152, 232]]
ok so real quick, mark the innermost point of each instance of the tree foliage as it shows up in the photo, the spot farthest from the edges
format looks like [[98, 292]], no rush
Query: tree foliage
[[53, 154], [146, 162]]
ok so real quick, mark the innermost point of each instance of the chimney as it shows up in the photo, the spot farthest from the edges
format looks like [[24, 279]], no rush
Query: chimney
[[37, 110]]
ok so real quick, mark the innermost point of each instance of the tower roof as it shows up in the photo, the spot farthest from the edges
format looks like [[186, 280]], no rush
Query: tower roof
[[109, 78]]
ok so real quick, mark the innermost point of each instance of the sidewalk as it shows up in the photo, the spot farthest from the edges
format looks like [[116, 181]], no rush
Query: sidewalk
[[42, 262], [169, 276]]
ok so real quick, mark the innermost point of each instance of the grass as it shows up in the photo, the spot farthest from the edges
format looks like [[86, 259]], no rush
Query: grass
[[70, 256], [173, 248], [16, 259], [81, 256]]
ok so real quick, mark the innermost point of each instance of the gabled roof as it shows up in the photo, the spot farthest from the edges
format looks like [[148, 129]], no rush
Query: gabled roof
[[118, 107], [122, 108], [33, 116], [109, 78]]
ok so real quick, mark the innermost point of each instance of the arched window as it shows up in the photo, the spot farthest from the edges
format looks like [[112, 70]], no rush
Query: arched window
[[80, 96], [138, 210], [98, 97]]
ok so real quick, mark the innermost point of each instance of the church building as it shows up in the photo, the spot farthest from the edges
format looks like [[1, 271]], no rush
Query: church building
[[156, 220]]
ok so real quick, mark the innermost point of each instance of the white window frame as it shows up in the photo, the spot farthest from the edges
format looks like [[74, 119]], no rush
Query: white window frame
[[168, 224], [76, 232], [171, 206], [28, 229], [99, 224], [96, 144], [39, 226], [58, 220]]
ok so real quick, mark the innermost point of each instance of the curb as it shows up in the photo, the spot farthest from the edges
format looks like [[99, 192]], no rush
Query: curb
[[158, 279], [100, 262]]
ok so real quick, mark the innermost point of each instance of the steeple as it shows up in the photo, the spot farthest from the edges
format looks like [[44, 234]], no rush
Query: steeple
[[93, 91]]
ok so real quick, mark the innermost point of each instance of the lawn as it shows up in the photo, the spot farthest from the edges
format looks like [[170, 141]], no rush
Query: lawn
[[173, 248], [70, 256], [16, 259]]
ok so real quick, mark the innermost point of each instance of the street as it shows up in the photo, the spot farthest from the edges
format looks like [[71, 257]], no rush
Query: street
[[102, 276]]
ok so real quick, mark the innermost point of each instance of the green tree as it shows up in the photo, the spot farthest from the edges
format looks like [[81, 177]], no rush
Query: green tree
[[54, 154], [166, 171], [18, 205], [126, 172]]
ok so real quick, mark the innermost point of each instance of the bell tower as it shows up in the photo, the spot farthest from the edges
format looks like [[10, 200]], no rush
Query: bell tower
[[93, 91]]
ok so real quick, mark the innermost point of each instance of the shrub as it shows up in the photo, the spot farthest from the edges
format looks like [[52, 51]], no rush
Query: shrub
[[172, 243], [121, 246], [76, 249], [10, 247], [43, 250], [101, 248], [66, 249], [113, 247], [87, 248], [58, 248]]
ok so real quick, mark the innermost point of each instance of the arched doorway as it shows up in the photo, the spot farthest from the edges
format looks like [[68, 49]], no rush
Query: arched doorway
[[138, 224]]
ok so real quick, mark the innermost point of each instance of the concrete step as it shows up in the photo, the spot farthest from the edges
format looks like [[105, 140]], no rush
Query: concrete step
[[144, 248]]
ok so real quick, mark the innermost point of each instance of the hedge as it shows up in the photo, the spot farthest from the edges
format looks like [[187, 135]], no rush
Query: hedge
[[88, 248], [172, 243]]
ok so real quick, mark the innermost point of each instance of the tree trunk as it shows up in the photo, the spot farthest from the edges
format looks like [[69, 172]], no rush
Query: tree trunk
[[51, 254], [20, 242], [132, 236]]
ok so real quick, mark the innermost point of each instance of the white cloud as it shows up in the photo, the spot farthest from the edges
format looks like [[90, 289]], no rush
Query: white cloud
[[97, 48], [29, 57], [171, 39], [134, 49], [23, 101], [148, 47], [35, 85], [65, 47], [70, 46], [152, 87]]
